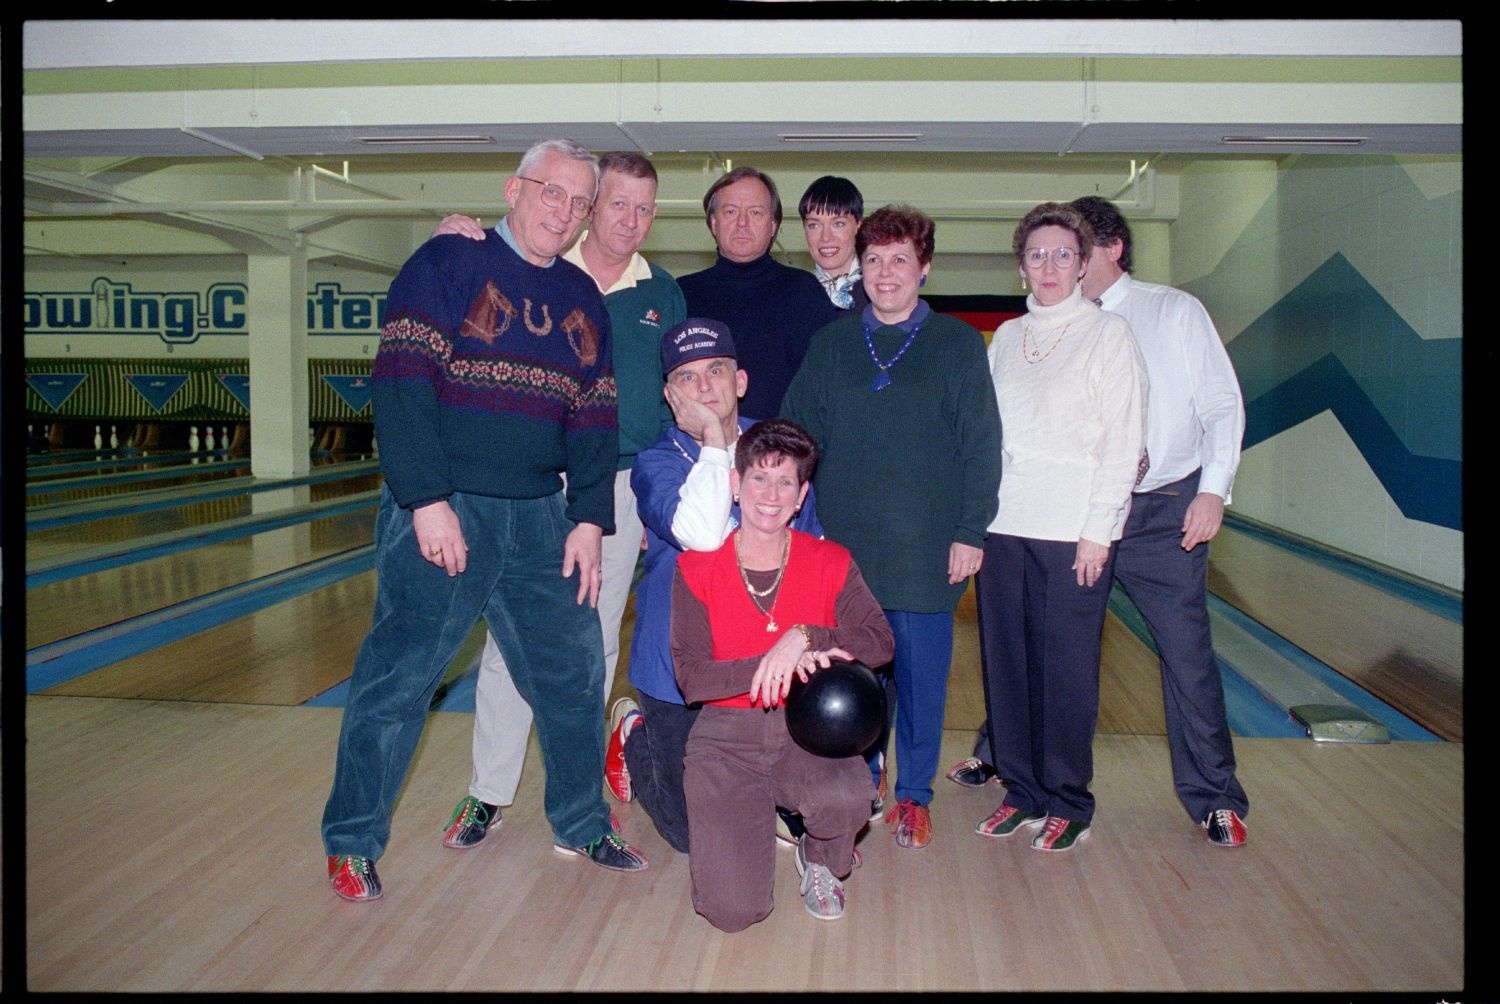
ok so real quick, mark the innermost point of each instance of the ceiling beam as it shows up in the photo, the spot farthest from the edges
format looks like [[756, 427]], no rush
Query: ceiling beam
[[80, 44]]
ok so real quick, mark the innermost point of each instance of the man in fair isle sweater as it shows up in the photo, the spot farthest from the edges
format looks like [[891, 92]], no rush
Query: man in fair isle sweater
[[493, 380], [643, 301]]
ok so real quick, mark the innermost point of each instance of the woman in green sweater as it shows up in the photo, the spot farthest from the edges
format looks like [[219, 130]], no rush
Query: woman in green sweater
[[909, 434]]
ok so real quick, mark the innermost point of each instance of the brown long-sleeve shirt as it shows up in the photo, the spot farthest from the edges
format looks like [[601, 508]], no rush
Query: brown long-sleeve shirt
[[861, 630]]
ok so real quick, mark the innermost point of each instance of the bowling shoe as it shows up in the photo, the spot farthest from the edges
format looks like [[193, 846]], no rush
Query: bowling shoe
[[1008, 819], [353, 877], [1225, 828], [608, 851], [470, 821], [623, 719], [822, 894], [971, 773], [789, 828], [911, 823], [882, 790], [1060, 834]]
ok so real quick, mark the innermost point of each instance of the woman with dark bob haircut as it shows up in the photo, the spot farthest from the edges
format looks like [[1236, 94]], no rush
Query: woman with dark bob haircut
[[769, 603], [910, 437], [1071, 388]]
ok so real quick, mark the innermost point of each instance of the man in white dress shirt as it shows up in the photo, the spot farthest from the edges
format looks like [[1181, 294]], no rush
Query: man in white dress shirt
[[1194, 425]]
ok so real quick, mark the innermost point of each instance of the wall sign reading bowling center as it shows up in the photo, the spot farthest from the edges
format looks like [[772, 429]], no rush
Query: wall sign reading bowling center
[[181, 318], [101, 378]]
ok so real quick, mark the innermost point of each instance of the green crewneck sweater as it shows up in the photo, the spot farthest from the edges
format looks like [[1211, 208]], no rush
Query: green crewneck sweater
[[906, 471]]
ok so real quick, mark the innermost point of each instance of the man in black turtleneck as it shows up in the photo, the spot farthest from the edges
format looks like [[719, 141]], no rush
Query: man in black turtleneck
[[773, 309]]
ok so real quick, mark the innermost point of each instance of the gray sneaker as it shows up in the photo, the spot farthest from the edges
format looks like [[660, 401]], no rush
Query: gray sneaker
[[822, 894], [609, 851]]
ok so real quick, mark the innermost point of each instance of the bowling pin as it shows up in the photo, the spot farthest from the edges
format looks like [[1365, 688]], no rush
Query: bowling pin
[[98, 439], [193, 443], [209, 442], [114, 438], [224, 436]]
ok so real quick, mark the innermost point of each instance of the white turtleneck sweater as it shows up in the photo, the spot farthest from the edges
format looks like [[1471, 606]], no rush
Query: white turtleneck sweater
[[1073, 421]]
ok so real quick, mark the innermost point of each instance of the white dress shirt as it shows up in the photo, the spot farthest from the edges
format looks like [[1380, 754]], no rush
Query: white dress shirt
[[1197, 413]]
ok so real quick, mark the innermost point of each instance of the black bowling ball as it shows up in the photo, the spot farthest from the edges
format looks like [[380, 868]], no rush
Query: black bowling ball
[[838, 712]]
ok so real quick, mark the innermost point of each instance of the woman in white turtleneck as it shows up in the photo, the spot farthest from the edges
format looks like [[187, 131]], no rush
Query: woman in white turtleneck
[[1072, 393]]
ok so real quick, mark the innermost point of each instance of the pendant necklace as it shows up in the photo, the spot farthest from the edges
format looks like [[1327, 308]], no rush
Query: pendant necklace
[[1035, 354], [883, 377], [757, 594]]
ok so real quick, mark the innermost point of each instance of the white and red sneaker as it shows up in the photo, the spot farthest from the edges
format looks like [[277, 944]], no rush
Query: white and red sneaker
[[623, 719], [1225, 828]]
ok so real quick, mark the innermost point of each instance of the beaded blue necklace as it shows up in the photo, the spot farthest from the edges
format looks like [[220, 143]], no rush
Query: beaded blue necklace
[[883, 374]]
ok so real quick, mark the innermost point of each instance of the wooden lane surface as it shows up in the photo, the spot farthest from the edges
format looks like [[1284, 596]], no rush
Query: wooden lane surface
[[284, 654], [72, 606], [75, 536], [1352, 881], [1406, 656], [189, 475], [295, 650], [88, 462]]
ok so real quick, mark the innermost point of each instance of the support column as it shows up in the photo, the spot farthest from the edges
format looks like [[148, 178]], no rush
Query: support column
[[277, 312]]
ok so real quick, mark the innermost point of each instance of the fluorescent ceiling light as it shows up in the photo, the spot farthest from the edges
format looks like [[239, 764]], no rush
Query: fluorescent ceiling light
[[849, 137], [427, 140], [1293, 140]]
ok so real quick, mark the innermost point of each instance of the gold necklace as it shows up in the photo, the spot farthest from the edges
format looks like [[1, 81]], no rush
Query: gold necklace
[[1036, 355], [756, 594]]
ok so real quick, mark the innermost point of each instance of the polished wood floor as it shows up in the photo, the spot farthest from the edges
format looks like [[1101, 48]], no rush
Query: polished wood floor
[[187, 783], [196, 824]]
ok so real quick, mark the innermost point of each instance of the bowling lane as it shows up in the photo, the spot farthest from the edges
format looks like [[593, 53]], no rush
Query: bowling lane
[[295, 650], [1407, 656], [284, 654], [134, 526], [167, 475], [72, 606]]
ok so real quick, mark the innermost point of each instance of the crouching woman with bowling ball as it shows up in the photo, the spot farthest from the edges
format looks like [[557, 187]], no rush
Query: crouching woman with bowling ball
[[770, 604]]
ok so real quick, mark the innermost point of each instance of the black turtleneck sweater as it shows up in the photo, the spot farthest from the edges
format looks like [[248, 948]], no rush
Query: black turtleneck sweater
[[772, 311]]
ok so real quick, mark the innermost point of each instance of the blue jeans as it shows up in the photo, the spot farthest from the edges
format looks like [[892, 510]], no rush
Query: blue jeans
[[552, 645], [919, 679]]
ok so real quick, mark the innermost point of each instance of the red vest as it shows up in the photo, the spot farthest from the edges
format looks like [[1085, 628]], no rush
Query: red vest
[[816, 571]]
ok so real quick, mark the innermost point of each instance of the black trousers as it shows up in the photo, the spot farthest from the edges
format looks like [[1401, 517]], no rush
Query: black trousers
[[1169, 586], [654, 757], [1039, 633]]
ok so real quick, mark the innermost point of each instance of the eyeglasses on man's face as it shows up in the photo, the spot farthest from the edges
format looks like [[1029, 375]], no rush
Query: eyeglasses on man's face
[[557, 197]]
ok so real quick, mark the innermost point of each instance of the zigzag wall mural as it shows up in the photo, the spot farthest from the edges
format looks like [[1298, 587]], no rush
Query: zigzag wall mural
[[1334, 343], [1337, 283]]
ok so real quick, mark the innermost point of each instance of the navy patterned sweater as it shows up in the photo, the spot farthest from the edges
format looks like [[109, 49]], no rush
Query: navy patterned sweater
[[494, 377]]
